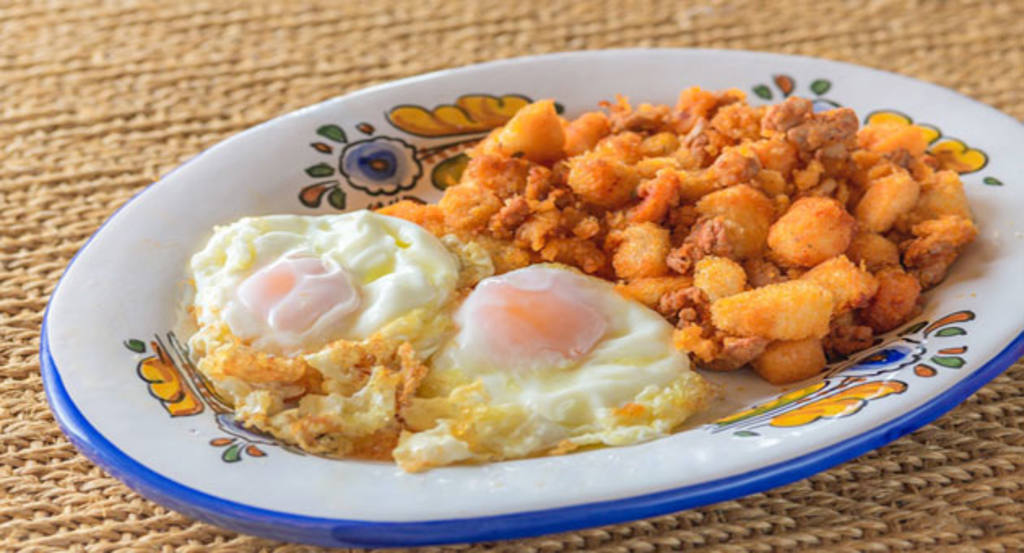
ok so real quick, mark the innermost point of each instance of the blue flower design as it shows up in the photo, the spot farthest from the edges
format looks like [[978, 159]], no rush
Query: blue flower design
[[891, 358], [381, 165]]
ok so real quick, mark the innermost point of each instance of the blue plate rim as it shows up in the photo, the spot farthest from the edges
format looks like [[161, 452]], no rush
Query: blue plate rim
[[359, 533]]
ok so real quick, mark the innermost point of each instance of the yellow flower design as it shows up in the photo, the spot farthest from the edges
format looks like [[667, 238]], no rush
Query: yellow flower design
[[952, 153], [931, 134], [784, 399], [841, 404], [470, 114], [167, 384]]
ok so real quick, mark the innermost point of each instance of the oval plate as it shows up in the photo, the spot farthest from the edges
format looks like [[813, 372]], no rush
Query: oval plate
[[120, 383]]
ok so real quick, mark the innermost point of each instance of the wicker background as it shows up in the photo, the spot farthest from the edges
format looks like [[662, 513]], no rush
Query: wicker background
[[98, 100]]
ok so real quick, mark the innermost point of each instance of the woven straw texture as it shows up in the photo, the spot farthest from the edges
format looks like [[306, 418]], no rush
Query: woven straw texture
[[99, 99]]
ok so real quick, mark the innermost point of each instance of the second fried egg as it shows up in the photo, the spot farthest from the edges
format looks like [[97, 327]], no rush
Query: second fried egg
[[546, 359]]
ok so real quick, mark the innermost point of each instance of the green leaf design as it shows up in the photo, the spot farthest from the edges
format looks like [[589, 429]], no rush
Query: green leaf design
[[949, 362], [232, 454], [821, 86], [448, 172], [992, 181], [951, 331], [138, 346], [320, 170], [336, 198], [914, 329], [763, 92], [745, 433], [332, 132]]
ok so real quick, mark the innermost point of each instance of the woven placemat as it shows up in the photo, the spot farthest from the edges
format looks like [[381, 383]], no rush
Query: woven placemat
[[98, 99]]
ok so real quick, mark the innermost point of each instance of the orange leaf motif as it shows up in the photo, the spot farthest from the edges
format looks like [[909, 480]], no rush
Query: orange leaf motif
[[785, 84], [958, 317], [840, 404], [470, 114], [924, 371], [254, 451]]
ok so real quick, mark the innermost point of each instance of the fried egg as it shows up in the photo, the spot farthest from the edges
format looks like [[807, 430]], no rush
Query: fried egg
[[310, 326], [288, 284], [545, 359]]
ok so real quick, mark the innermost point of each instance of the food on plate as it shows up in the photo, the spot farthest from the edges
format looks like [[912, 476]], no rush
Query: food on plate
[[773, 236], [556, 296], [363, 335]]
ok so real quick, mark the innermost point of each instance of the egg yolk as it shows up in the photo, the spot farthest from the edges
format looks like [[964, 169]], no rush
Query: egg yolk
[[536, 319], [292, 293]]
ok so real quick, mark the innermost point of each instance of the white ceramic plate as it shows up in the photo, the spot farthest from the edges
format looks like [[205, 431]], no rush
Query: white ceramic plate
[[124, 392]]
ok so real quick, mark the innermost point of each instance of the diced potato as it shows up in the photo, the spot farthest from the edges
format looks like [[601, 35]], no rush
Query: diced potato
[[648, 167], [694, 185], [604, 182], [735, 165], [649, 291], [623, 146], [942, 195], [640, 251], [535, 132], [776, 154], [659, 145], [468, 208], [719, 277], [738, 122], [873, 250], [750, 213], [850, 285], [498, 173], [790, 361], [585, 131], [886, 199], [894, 303], [791, 310], [812, 230]]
